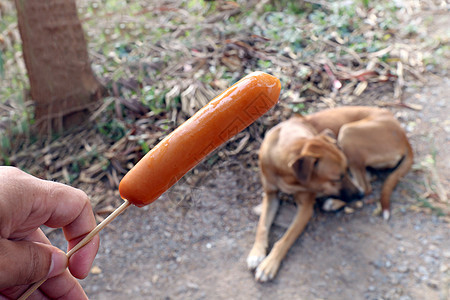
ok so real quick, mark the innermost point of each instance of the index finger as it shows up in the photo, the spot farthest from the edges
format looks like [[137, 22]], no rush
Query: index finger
[[80, 262], [69, 208], [73, 212]]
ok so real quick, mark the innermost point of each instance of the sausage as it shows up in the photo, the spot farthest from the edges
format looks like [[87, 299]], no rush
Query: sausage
[[219, 120]]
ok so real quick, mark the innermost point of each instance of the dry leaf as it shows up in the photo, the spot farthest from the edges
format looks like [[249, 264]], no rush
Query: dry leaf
[[360, 88]]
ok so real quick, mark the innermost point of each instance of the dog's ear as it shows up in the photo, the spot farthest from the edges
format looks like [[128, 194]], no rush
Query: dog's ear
[[303, 167], [328, 135]]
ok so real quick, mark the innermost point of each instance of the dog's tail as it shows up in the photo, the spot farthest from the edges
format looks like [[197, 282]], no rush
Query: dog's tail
[[391, 181]]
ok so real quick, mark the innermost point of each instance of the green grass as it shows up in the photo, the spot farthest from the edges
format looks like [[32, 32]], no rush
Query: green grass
[[423, 202]]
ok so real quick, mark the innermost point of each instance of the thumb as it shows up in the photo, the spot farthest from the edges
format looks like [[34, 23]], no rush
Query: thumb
[[23, 262]]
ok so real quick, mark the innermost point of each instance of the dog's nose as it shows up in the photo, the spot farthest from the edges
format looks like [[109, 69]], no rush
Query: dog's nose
[[360, 195], [351, 196]]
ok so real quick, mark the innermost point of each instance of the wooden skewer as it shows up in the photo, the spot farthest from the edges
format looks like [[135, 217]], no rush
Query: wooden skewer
[[81, 243]]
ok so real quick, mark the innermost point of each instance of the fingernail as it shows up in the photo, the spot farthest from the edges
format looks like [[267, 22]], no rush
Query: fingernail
[[58, 265]]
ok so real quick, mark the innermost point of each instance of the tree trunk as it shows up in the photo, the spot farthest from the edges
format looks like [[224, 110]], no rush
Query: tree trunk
[[62, 83]]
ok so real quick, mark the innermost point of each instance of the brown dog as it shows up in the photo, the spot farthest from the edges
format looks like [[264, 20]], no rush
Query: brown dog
[[302, 157]]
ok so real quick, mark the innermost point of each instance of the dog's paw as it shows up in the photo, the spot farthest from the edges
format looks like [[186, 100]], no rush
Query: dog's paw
[[256, 256], [331, 205], [253, 261], [386, 215], [267, 269]]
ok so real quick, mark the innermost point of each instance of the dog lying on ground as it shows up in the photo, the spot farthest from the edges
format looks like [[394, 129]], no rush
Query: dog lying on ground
[[303, 157]]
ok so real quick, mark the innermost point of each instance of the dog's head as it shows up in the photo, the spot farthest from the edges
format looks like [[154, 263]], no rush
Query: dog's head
[[321, 166]]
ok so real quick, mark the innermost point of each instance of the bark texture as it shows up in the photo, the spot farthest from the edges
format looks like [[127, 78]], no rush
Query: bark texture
[[62, 83]]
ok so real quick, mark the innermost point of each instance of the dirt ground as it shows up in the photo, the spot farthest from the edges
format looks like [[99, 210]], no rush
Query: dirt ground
[[193, 242]]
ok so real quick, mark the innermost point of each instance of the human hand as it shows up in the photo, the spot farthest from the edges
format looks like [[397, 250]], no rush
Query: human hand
[[26, 255]]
